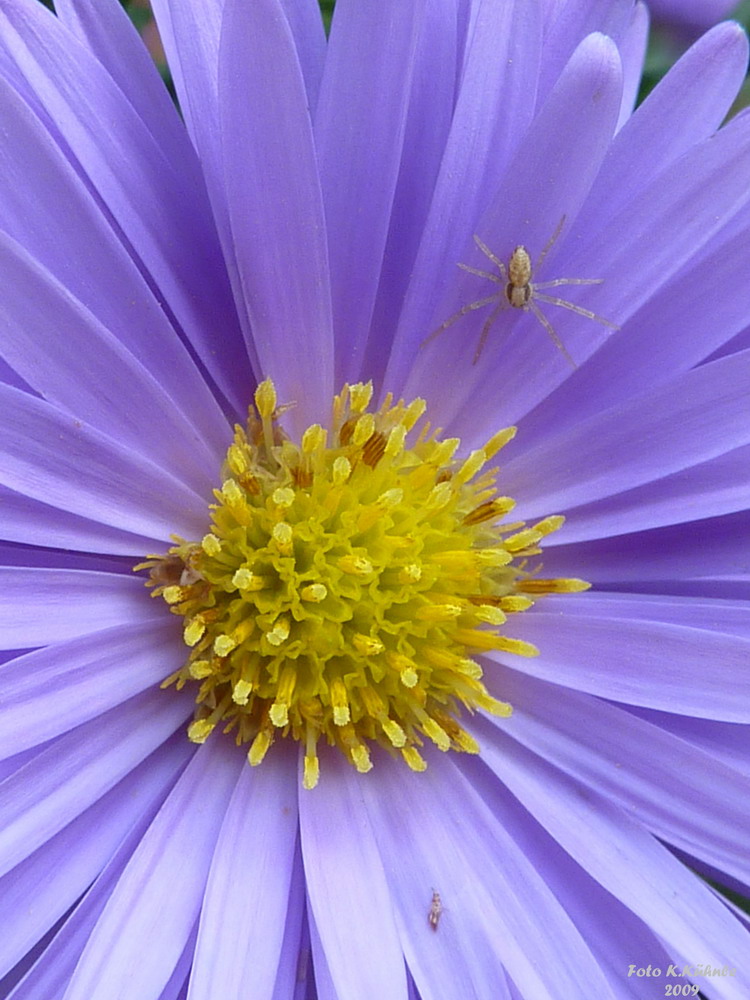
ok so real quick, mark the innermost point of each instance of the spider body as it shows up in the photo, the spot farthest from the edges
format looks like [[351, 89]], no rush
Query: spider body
[[518, 291]]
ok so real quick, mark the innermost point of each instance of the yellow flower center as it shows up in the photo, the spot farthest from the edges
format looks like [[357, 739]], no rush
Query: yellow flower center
[[346, 584]]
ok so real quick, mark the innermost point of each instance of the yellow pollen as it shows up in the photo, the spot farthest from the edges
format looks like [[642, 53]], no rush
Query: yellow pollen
[[414, 759], [279, 633], [363, 430], [173, 594], [342, 469], [517, 602], [283, 497], [410, 574], [265, 399], [223, 645], [199, 730], [194, 631], [361, 758], [211, 545], [200, 669], [241, 692], [283, 536], [311, 772], [356, 565], [491, 615], [360, 396], [345, 585], [367, 645], [315, 592], [522, 540], [437, 734], [231, 492], [260, 745]]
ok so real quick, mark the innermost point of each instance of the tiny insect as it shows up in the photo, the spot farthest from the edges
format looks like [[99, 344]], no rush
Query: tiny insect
[[520, 292], [174, 571], [436, 909]]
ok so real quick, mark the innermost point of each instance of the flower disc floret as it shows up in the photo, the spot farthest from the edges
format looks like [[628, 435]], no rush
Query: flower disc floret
[[347, 582]]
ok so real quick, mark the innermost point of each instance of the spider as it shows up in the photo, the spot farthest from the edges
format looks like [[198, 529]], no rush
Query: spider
[[519, 291]]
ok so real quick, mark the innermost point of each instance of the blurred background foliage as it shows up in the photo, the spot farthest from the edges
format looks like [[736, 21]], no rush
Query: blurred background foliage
[[664, 48]]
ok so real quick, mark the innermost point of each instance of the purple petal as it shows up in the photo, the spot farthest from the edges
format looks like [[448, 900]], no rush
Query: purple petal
[[499, 72], [307, 28], [344, 872], [431, 116], [633, 54], [569, 21], [78, 768], [436, 834], [718, 547], [19, 760], [61, 604], [690, 671], [75, 363], [190, 34], [671, 333], [623, 857], [41, 447], [33, 557], [107, 31], [724, 741], [105, 279], [159, 212], [676, 217], [177, 985], [591, 908], [693, 418], [727, 616], [29, 521], [324, 988], [687, 106], [275, 205], [294, 960], [159, 894], [243, 919], [681, 794], [50, 691], [720, 486], [60, 871], [359, 134], [551, 172], [49, 976]]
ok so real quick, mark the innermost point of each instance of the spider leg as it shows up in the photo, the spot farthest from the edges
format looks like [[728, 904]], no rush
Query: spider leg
[[550, 243], [483, 274], [493, 257], [486, 330], [550, 330], [579, 310], [568, 281], [457, 315]]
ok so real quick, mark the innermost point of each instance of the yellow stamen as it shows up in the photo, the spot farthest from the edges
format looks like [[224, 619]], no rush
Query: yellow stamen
[[344, 584], [561, 586]]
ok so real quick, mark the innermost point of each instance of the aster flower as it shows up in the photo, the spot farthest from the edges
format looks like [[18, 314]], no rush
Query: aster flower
[[449, 771]]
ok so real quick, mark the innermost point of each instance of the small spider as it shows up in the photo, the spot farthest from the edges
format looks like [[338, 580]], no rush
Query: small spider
[[519, 291]]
